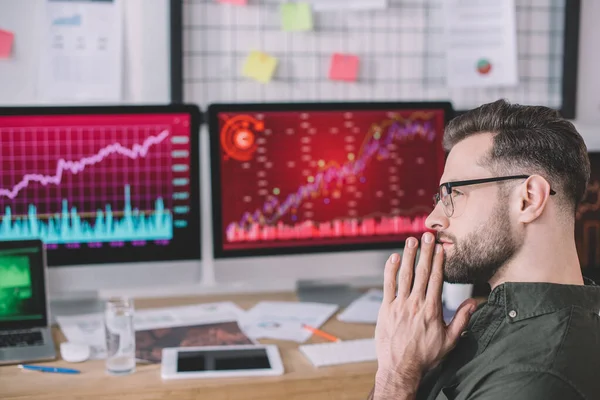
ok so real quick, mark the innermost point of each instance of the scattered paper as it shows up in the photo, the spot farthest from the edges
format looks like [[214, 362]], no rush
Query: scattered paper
[[81, 51], [284, 320], [236, 2], [481, 43], [89, 328], [296, 17], [149, 343], [6, 42], [364, 309], [259, 66], [85, 329], [344, 67]]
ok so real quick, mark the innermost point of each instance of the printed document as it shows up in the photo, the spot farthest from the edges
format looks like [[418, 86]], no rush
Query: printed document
[[481, 43], [89, 328], [81, 51]]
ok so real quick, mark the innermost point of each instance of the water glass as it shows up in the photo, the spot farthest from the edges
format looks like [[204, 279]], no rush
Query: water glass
[[120, 336]]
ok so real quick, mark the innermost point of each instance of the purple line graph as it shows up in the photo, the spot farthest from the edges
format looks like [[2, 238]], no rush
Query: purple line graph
[[75, 167], [273, 209]]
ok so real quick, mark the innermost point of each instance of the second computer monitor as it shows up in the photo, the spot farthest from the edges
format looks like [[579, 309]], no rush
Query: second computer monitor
[[102, 184], [314, 177]]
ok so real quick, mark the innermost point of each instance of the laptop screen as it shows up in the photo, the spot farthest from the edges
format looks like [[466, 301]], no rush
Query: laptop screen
[[22, 288]]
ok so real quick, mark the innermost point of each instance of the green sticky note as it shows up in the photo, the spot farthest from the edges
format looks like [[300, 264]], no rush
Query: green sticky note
[[296, 17]]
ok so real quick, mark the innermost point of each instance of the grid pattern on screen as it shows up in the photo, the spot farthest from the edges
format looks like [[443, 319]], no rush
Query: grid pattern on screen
[[401, 51], [81, 164]]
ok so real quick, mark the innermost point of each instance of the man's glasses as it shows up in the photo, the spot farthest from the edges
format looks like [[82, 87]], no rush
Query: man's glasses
[[445, 192]]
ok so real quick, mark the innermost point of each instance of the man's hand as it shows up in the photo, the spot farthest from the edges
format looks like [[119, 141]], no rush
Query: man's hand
[[411, 336]]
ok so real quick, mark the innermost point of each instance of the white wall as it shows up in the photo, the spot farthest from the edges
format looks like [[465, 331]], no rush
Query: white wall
[[147, 81]]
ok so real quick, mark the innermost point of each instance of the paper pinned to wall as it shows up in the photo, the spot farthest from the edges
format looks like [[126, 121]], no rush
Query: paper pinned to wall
[[296, 17], [259, 66], [81, 51], [6, 43], [481, 43], [344, 67]]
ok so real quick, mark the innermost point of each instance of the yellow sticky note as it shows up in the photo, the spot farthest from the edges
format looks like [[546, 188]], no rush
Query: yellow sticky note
[[296, 17], [259, 66]]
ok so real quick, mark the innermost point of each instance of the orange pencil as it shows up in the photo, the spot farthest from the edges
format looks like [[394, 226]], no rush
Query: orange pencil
[[319, 332]]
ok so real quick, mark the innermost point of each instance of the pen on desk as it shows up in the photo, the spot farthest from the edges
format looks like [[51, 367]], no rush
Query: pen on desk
[[56, 370], [319, 332]]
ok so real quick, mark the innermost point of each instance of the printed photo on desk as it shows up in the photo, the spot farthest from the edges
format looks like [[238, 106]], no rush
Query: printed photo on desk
[[149, 343]]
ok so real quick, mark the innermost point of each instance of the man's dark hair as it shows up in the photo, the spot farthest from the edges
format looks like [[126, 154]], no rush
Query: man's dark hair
[[528, 140]]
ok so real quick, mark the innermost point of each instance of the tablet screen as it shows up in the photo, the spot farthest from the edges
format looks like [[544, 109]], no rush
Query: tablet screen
[[222, 360]]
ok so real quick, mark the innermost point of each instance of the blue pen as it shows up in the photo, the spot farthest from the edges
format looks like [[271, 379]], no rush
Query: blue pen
[[56, 370]]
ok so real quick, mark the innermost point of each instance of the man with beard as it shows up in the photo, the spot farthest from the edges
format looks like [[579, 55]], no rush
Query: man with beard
[[504, 214]]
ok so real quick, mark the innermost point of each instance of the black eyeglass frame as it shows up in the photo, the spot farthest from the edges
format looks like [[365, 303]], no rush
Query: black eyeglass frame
[[449, 185]]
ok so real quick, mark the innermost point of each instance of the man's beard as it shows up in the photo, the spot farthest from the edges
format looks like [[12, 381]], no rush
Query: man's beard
[[477, 257]]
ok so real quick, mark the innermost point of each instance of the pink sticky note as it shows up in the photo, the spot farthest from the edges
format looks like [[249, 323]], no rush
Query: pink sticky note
[[236, 2], [6, 41], [344, 67]]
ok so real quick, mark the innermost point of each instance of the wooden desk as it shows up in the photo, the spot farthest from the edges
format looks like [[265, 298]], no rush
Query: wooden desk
[[300, 381]]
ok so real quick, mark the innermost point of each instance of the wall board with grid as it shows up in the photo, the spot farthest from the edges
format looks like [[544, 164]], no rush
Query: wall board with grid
[[401, 51]]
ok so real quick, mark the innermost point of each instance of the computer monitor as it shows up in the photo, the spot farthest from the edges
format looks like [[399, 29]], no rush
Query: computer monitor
[[322, 177], [102, 185], [587, 223]]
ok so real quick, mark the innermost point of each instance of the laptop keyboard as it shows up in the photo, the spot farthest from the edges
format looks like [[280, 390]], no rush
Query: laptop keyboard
[[21, 338]]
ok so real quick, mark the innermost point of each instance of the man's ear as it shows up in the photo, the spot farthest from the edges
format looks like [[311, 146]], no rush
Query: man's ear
[[533, 196]]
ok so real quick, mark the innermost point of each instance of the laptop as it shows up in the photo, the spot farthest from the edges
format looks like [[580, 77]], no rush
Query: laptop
[[25, 334]]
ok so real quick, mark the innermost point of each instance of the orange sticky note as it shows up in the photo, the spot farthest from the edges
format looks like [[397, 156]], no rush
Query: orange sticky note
[[259, 66], [236, 2], [344, 67], [6, 42]]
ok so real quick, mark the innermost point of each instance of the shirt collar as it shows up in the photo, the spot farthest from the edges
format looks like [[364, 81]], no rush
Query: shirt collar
[[523, 300]]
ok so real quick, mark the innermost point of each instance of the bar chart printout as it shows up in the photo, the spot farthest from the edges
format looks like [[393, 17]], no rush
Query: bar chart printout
[[99, 182], [318, 178]]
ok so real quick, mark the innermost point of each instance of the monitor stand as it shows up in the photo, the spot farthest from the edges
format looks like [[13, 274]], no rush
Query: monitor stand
[[340, 291], [75, 303]]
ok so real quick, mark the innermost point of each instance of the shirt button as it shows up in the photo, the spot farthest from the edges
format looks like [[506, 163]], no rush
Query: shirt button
[[512, 313]]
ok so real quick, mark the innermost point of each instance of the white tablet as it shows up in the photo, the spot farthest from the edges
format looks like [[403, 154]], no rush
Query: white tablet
[[221, 361]]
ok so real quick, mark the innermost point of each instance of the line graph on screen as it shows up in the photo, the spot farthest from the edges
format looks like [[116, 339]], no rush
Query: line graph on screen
[[87, 184], [327, 176]]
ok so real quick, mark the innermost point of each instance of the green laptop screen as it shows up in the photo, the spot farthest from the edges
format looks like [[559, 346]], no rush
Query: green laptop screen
[[17, 295]]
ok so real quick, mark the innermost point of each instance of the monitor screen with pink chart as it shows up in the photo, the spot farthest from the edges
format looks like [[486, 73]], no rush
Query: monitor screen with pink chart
[[102, 185]]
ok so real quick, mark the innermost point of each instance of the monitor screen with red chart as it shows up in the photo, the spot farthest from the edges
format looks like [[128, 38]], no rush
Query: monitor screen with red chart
[[102, 184], [300, 177]]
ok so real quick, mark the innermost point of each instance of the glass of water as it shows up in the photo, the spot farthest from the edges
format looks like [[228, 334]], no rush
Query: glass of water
[[120, 336]]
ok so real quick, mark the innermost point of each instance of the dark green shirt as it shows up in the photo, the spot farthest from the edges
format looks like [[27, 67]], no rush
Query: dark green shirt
[[528, 341]]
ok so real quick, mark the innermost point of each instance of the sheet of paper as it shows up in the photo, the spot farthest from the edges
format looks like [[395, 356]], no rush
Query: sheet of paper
[[89, 328], [481, 43], [85, 329], [259, 66], [296, 17], [6, 43], [81, 51], [283, 320], [344, 67], [364, 309]]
